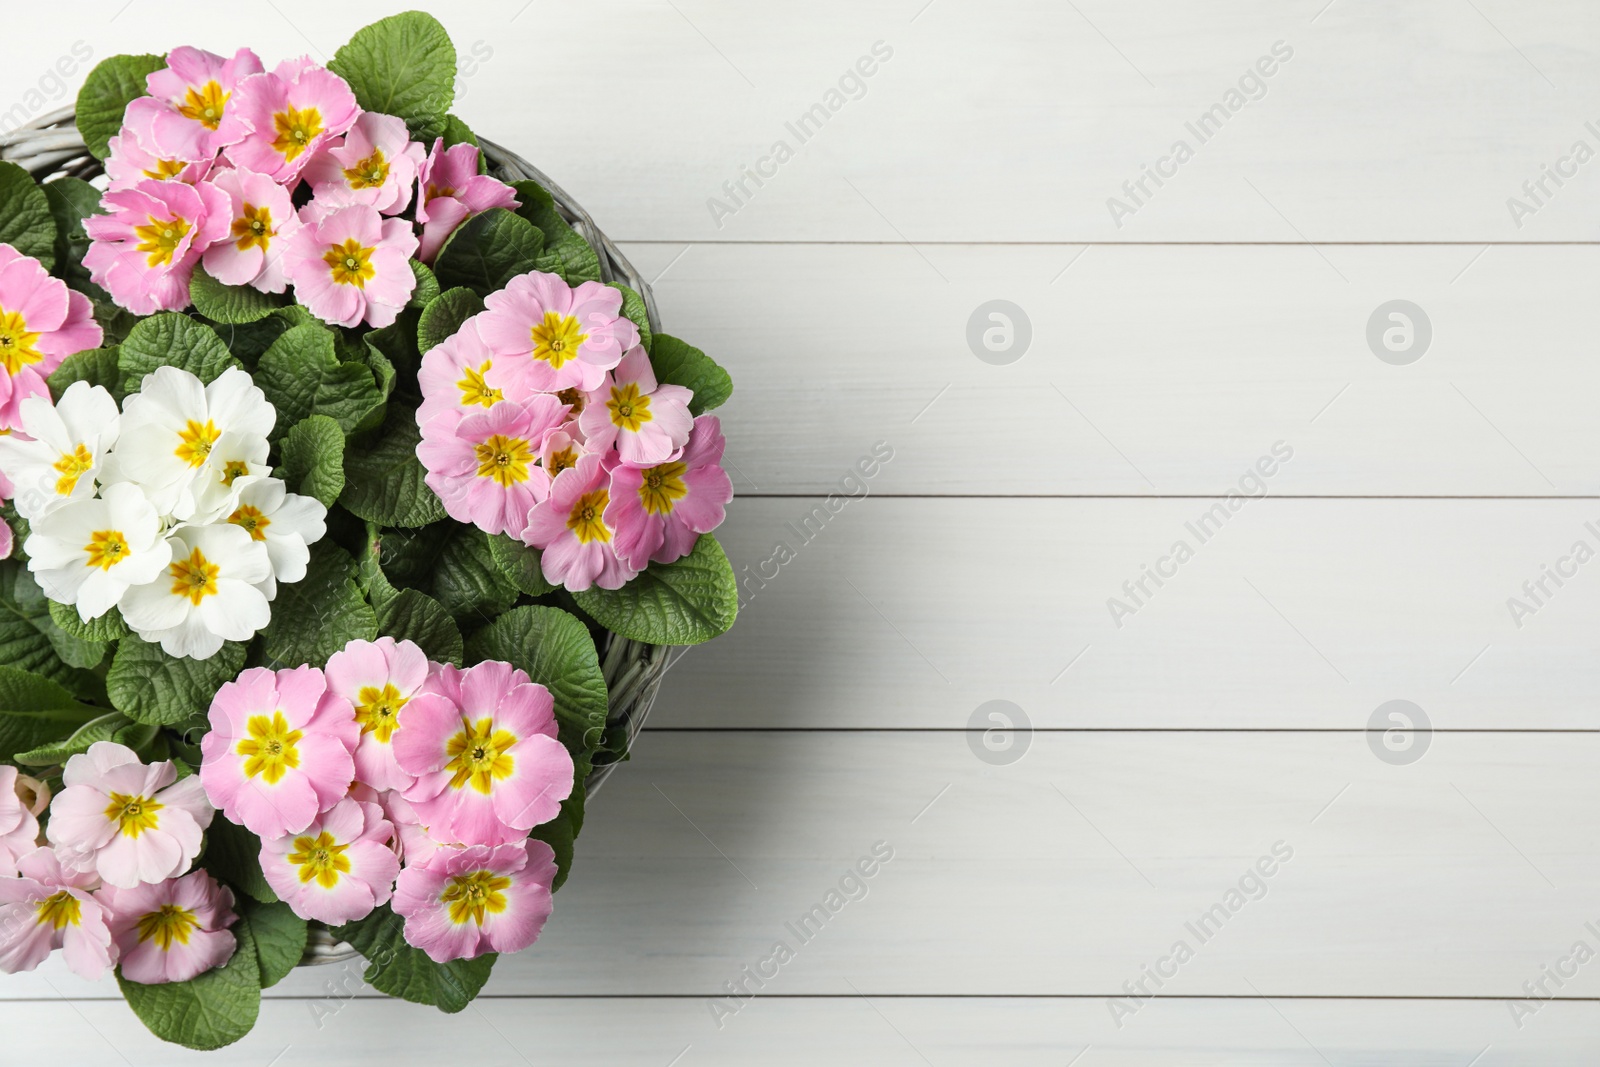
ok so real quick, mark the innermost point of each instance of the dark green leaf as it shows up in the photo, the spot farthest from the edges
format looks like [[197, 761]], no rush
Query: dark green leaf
[[561, 833], [445, 315], [107, 627], [56, 753], [466, 580], [105, 96], [384, 480], [519, 564], [97, 366], [457, 132], [565, 251], [35, 711], [682, 603], [71, 201], [149, 686], [395, 968], [301, 376], [233, 855], [26, 223], [230, 304], [172, 340], [28, 637], [248, 340], [315, 617], [488, 250], [410, 615], [403, 65], [680, 363], [633, 309], [427, 284], [279, 935], [215, 1009], [313, 459]]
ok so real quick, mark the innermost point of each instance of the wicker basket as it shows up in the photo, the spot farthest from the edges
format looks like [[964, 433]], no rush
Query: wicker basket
[[50, 146]]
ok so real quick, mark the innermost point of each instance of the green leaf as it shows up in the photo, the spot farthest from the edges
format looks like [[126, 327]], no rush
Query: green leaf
[[233, 855], [73, 650], [71, 201], [488, 250], [565, 251], [97, 366], [147, 685], [680, 363], [410, 615], [301, 375], [466, 580], [556, 651], [457, 132], [105, 96], [395, 968], [427, 284], [248, 340], [108, 627], [316, 616], [26, 223], [279, 936], [634, 309], [57, 753], [172, 340], [561, 833], [383, 481], [681, 603], [403, 65], [519, 564], [35, 711], [444, 316], [230, 304], [28, 639], [215, 1009], [313, 459]]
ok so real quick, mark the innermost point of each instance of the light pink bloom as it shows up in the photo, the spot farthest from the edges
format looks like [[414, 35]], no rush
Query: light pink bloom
[[144, 252], [558, 336], [376, 165], [19, 828], [261, 223], [351, 266], [292, 113], [659, 512], [190, 113], [171, 931], [482, 467], [461, 376], [469, 901], [42, 322], [46, 907], [482, 745], [378, 678], [336, 870], [131, 162], [451, 191], [125, 821], [279, 750], [571, 529], [411, 842], [561, 449], [646, 422]]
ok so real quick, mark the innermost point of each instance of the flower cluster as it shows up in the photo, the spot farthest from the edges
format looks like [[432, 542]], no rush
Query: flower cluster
[[166, 509], [542, 418], [391, 776], [108, 884], [207, 169]]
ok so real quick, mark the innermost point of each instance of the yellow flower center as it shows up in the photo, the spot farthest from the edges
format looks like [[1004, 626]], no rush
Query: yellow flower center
[[166, 169], [350, 263], [437, 190], [195, 577], [296, 130], [471, 895], [72, 466], [168, 926], [253, 522], [161, 239], [557, 339], [562, 460], [478, 755], [475, 390], [320, 858], [205, 106], [234, 468], [505, 459], [629, 410], [17, 342], [60, 910], [369, 173], [662, 486], [106, 548], [195, 441], [270, 749], [253, 229], [377, 710], [134, 815], [586, 520]]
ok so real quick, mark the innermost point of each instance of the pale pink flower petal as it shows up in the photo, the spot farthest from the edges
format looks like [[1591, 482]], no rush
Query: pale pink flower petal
[[466, 902], [171, 931]]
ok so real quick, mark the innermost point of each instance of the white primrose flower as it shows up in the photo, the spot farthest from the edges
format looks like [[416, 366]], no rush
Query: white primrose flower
[[208, 594], [89, 552], [172, 425], [235, 456], [287, 523], [67, 450]]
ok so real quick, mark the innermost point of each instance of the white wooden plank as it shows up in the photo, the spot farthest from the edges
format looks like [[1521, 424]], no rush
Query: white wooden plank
[[1298, 613], [1015, 120], [1166, 370], [871, 1032], [1072, 869]]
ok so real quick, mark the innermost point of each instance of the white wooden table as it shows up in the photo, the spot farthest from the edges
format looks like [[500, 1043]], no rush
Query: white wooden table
[[1428, 888]]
